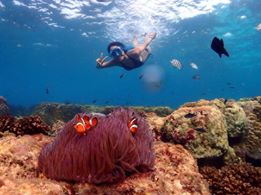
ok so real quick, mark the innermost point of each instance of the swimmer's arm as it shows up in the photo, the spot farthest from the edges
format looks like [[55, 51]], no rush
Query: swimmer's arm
[[101, 63]]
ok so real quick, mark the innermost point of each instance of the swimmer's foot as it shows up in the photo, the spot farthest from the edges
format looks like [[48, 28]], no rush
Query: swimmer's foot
[[149, 37]]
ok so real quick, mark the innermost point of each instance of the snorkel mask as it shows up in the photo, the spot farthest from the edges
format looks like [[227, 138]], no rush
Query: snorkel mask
[[116, 52]]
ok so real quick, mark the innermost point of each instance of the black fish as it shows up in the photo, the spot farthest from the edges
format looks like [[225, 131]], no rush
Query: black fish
[[94, 101], [196, 77], [121, 75], [46, 91], [218, 46], [200, 129], [189, 115], [141, 76]]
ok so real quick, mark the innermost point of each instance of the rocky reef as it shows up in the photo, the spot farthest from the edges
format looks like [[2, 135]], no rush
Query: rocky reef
[[4, 109], [225, 130], [218, 135], [51, 112], [238, 179], [175, 172], [251, 144], [22, 125]]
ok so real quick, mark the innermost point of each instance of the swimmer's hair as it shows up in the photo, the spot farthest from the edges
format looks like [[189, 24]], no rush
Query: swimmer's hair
[[115, 43], [106, 154]]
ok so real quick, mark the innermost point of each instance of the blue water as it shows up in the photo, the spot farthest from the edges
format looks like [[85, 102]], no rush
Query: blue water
[[53, 44]]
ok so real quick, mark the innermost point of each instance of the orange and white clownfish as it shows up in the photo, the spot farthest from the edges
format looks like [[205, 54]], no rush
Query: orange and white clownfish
[[84, 124], [132, 125]]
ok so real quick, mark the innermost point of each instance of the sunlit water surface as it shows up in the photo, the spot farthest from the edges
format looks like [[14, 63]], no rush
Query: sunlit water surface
[[48, 50]]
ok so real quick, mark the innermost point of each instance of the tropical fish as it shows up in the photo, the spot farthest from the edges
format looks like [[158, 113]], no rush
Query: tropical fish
[[46, 91], [218, 46], [200, 129], [258, 27], [196, 77], [190, 115], [132, 125], [121, 75], [84, 123], [193, 65], [141, 76], [176, 63]]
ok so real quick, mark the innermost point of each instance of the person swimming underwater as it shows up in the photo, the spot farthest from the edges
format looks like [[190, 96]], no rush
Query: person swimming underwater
[[128, 58]]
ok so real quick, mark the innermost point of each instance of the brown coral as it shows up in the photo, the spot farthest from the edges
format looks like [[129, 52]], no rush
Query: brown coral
[[240, 179], [4, 110], [21, 126], [201, 129]]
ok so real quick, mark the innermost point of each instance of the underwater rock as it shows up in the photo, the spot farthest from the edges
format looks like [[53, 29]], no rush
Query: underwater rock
[[251, 143], [4, 109], [32, 186], [200, 129], [51, 112], [23, 125], [155, 123], [175, 172], [236, 119], [19, 155], [238, 179], [105, 154]]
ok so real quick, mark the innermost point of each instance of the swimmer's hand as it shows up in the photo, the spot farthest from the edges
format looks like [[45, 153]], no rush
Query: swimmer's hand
[[100, 60]]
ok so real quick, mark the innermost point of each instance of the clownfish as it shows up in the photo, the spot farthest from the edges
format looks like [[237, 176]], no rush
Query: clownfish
[[84, 124], [132, 125]]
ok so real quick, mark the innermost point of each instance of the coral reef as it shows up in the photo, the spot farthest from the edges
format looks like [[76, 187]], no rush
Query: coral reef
[[175, 172], [33, 187], [4, 109], [251, 143], [51, 112], [236, 119], [106, 154], [19, 155], [237, 179], [201, 129], [155, 123], [24, 125]]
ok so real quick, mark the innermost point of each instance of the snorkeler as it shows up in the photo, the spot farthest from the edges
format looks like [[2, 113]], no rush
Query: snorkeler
[[128, 58]]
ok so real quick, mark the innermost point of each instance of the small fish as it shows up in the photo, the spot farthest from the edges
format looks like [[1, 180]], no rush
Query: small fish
[[218, 46], [84, 123], [258, 27], [46, 91], [196, 77], [141, 76], [176, 63], [189, 115], [200, 129], [94, 101], [193, 65], [122, 75], [132, 125], [229, 83]]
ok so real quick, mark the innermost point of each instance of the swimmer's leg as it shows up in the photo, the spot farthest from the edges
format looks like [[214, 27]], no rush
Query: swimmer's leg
[[147, 40], [145, 54], [135, 41]]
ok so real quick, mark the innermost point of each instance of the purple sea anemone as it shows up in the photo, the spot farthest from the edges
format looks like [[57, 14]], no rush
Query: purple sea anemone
[[105, 154]]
